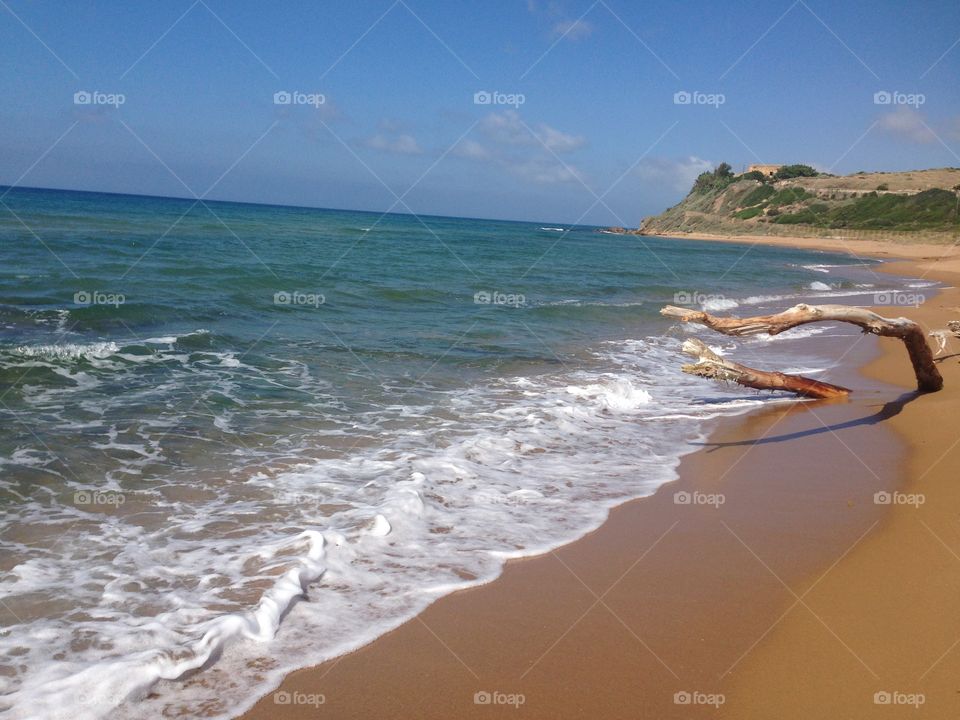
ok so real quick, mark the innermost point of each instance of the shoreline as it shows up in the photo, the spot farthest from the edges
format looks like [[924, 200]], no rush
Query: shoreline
[[927, 256], [891, 594], [596, 641]]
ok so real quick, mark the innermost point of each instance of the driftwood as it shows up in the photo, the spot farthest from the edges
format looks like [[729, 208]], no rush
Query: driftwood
[[943, 336], [928, 377], [711, 365]]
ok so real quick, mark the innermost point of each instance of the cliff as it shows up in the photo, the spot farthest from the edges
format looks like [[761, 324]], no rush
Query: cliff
[[921, 204]]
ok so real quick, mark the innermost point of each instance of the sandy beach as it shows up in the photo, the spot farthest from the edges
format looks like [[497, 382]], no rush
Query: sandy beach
[[788, 588], [556, 359]]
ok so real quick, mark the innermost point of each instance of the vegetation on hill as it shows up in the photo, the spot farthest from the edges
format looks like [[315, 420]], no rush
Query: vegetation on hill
[[799, 197]]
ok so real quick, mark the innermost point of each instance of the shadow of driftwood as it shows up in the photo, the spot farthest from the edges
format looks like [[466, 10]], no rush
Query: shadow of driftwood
[[887, 411]]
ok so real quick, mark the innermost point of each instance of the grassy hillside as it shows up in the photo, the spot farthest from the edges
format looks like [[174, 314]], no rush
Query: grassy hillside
[[802, 202]]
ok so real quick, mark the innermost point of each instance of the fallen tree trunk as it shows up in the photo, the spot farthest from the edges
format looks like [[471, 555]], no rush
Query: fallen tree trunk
[[711, 365], [928, 377]]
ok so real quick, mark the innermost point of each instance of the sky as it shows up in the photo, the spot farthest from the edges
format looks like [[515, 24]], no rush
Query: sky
[[566, 111]]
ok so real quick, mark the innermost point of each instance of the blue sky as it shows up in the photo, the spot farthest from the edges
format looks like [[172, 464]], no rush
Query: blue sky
[[598, 138]]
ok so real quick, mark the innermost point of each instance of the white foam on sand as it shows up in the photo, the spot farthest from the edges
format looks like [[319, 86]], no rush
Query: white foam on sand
[[347, 547]]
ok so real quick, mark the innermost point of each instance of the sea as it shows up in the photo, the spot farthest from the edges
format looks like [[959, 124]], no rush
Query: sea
[[240, 439]]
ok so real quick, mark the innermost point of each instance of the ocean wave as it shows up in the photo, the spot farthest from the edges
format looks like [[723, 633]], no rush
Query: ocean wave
[[358, 529], [68, 351], [719, 304]]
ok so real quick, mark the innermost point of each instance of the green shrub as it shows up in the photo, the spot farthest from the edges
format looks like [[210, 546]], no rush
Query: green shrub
[[758, 195], [792, 171], [749, 213], [930, 209], [717, 179], [788, 196], [804, 217]]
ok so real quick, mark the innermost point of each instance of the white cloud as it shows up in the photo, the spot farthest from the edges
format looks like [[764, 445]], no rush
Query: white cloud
[[402, 144], [555, 15], [908, 124], [507, 128], [557, 141], [677, 174], [572, 29], [528, 152], [471, 149], [542, 171]]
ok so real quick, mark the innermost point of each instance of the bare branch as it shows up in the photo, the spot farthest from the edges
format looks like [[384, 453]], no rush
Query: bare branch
[[711, 365], [928, 377]]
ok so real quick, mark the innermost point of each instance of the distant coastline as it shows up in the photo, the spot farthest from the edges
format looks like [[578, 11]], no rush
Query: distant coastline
[[921, 206]]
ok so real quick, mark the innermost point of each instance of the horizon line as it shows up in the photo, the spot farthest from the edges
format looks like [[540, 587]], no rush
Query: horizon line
[[293, 207]]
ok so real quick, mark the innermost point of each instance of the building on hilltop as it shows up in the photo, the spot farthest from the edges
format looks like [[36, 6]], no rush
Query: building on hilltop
[[768, 170]]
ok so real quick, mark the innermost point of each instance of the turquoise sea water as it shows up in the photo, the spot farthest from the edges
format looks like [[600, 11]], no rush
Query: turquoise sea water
[[249, 438]]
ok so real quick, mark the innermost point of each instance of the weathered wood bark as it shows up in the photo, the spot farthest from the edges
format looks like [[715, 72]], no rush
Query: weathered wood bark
[[711, 365], [943, 336], [928, 377]]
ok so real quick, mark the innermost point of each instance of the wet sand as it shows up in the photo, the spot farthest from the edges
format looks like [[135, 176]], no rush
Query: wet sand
[[783, 591]]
